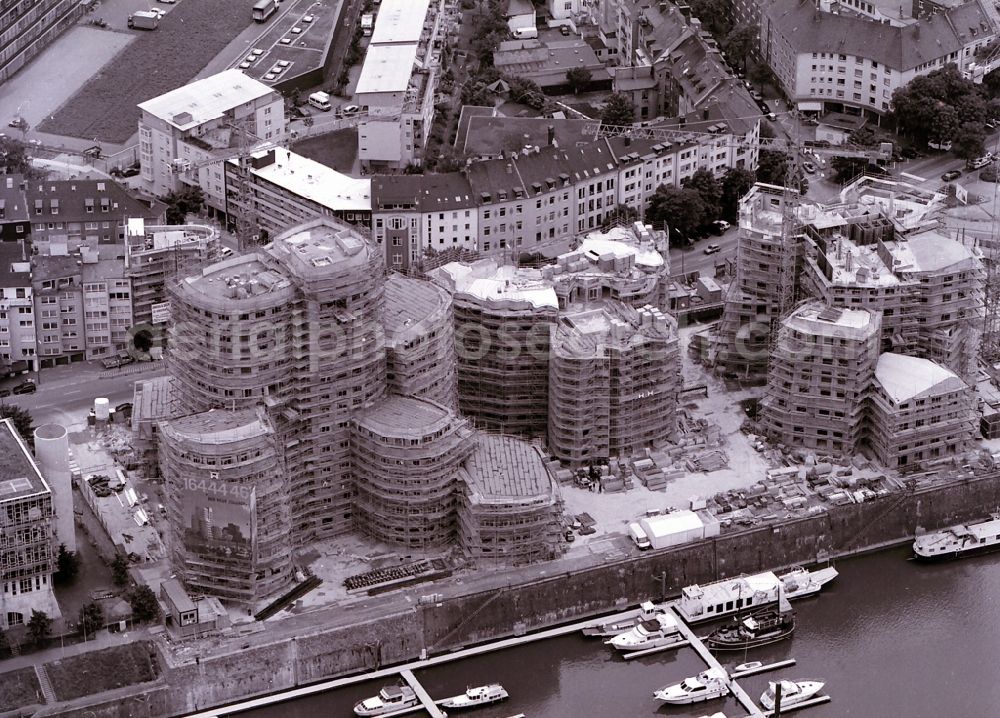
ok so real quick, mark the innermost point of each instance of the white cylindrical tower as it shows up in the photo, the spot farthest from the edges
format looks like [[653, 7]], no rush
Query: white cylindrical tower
[[102, 409], [52, 455]]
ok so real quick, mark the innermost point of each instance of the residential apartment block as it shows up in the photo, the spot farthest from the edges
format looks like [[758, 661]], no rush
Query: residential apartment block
[[28, 26], [18, 345], [15, 222], [186, 134]]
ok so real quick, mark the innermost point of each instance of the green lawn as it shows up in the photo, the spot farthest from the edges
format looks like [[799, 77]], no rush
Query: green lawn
[[336, 149], [160, 60], [103, 670], [19, 688]]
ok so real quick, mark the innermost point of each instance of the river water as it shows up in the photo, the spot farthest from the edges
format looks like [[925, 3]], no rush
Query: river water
[[891, 638]]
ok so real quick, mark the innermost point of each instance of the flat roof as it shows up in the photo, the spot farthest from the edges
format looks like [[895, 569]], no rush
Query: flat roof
[[857, 264], [930, 251], [816, 318], [177, 595], [154, 399], [488, 281], [19, 475], [218, 426], [503, 467], [204, 100], [406, 417], [620, 242], [321, 246], [314, 181], [905, 377], [387, 68], [399, 21], [237, 278], [408, 303]]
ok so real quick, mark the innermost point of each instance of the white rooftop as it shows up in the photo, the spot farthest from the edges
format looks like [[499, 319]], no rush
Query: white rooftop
[[317, 182], [399, 21], [486, 280], [387, 68], [621, 243], [672, 523], [904, 377], [858, 264], [929, 252], [818, 319], [204, 100]]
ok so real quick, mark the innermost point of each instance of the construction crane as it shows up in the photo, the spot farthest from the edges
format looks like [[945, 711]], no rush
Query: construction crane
[[249, 144]]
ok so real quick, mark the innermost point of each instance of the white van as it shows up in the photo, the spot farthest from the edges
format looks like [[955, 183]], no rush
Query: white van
[[320, 100], [638, 536]]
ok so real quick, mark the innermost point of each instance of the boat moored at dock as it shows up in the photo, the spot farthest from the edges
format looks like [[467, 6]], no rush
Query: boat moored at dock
[[758, 629], [647, 611], [735, 595], [959, 541], [705, 686], [659, 631], [389, 700], [475, 697], [792, 692]]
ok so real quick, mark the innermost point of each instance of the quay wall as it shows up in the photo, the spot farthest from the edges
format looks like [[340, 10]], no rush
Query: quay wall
[[513, 610]]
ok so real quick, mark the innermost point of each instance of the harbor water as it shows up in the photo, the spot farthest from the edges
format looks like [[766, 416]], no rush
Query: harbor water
[[890, 637]]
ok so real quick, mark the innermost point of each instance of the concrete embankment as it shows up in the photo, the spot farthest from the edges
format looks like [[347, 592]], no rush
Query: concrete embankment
[[514, 610]]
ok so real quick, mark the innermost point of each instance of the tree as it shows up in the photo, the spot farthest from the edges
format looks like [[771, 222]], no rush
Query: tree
[[681, 209], [968, 141], [933, 106], [735, 184], [713, 15], [144, 605], [761, 75], [22, 421], [67, 566], [621, 213], [143, 341], [578, 78], [187, 201], [119, 570], [991, 84], [16, 160], [618, 110], [91, 619], [739, 44], [846, 169], [708, 188], [39, 627], [772, 166]]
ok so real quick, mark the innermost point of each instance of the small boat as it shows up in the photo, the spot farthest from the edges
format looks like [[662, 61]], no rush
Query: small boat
[[748, 666], [654, 633], [758, 629], [705, 686], [792, 692], [478, 696], [958, 541], [647, 611], [389, 700]]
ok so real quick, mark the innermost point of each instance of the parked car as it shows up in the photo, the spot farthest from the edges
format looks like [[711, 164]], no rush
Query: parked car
[[950, 175], [25, 387], [225, 252], [111, 363], [979, 162], [350, 109], [4, 392], [564, 29], [720, 225], [809, 167], [712, 249]]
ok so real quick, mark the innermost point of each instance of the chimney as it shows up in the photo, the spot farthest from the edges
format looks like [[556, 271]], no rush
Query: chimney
[[551, 135]]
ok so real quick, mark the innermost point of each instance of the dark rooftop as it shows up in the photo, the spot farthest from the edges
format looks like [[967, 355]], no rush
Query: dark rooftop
[[18, 475]]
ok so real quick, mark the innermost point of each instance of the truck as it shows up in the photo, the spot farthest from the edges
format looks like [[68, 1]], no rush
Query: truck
[[320, 100], [638, 536], [367, 22], [143, 20]]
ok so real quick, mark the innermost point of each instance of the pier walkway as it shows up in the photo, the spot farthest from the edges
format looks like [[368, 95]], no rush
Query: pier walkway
[[429, 705], [741, 695]]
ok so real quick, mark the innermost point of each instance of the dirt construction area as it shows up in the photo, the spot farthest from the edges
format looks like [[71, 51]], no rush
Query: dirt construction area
[[188, 37]]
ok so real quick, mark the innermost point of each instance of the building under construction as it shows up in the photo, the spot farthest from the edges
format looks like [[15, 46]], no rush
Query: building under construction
[[420, 338], [613, 382], [407, 454], [510, 506]]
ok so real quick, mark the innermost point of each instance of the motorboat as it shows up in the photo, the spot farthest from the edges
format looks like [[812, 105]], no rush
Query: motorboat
[[958, 541], [792, 692], [659, 631], [733, 596], [705, 686], [757, 629], [478, 696], [647, 611], [389, 700], [748, 666]]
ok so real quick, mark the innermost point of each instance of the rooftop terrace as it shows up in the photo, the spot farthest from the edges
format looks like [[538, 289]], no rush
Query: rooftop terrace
[[19, 476]]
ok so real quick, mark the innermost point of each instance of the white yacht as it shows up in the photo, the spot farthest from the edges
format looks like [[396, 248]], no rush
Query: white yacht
[[705, 686], [736, 595], [389, 700], [958, 541], [659, 631], [478, 696], [792, 692], [647, 611]]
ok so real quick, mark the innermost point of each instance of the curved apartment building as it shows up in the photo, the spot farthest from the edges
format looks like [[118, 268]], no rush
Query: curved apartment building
[[407, 454]]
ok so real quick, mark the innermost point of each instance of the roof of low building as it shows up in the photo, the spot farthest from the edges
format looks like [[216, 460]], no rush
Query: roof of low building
[[15, 266], [903, 377], [13, 202], [546, 62], [207, 99]]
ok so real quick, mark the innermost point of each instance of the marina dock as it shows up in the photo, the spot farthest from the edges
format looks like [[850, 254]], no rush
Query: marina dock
[[818, 700], [429, 705], [748, 703]]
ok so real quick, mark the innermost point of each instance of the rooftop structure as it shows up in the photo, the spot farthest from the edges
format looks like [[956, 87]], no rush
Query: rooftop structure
[[613, 382], [546, 62], [510, 506], [204, 100]]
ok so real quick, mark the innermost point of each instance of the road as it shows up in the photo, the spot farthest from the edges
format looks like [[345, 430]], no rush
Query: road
[[694, 259], [67, 401]]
